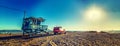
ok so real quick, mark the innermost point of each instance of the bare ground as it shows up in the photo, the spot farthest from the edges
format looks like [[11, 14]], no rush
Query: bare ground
[[69, 39]]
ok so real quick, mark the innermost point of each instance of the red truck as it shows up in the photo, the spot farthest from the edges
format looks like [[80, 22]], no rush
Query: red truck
[[59, 30]]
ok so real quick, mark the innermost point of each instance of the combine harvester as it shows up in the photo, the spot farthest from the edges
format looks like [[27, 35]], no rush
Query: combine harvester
[[32, 26]]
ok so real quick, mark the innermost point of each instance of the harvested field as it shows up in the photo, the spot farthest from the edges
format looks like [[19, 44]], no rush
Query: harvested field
[[69, 39]]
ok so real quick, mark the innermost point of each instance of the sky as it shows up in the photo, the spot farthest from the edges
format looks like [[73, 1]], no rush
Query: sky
[[70, 14]]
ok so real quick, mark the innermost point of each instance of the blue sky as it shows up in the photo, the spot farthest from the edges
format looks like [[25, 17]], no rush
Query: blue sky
[[66, 13]]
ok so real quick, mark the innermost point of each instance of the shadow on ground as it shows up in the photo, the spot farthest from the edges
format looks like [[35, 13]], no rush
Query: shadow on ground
[[21, 36]]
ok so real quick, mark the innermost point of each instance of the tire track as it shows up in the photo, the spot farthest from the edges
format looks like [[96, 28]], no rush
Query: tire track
[[49, 41], [46, 42], [52, 43]]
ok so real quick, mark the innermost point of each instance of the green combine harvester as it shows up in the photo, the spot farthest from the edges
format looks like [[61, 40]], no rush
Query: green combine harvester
[[32, 26]]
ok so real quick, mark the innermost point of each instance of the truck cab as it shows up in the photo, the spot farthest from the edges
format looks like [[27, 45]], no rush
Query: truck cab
[[59, 30]]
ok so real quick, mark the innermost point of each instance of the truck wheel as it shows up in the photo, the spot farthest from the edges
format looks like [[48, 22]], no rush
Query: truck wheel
[[65, 33], [55, 33]]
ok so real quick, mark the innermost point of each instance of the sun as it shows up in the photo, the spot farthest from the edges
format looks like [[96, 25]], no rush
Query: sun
[[94, 13]]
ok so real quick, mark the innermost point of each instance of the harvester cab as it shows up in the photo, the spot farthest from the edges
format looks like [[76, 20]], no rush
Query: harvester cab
[[32, 26], [59, 30]]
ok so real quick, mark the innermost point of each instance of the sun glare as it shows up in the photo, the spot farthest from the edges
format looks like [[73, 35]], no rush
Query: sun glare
[[94, 16], [94, 13]]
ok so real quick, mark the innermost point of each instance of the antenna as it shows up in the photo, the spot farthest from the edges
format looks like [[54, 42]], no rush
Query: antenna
[[24, 14], [24, 17]]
